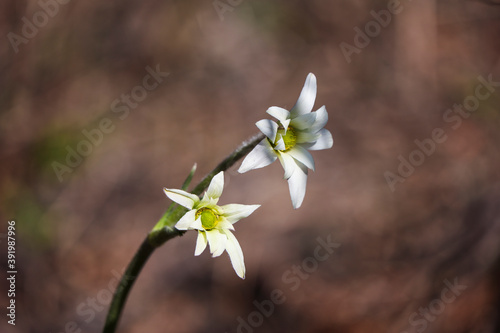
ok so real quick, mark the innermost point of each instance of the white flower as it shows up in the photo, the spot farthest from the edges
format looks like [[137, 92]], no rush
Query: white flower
[[213, 222], [297, 131]]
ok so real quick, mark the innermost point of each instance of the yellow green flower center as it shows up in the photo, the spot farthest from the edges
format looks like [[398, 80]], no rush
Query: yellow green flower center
[[289, 138], [209, 219]]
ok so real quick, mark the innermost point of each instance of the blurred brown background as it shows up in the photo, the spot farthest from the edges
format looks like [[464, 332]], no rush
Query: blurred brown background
[[66, 66]]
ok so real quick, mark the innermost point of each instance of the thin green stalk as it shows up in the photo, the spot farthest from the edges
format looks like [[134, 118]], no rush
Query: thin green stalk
[[228, 162], [163, 231]]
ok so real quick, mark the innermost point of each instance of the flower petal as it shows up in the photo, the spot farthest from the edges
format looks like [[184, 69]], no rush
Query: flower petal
[[306, 136], [197, 224], [324, 141], [307, 97], [285, 124], [181, 197], [262, 155], [222, 247], [302, 155], [303, 121], [289, 164], [279, 113], [217, 242], [297, 185], [235, 212], [268, 127], [321, 119], [216, 186], [201, 243], [233, 248], [187, 221], [224, 223], [280, 143]]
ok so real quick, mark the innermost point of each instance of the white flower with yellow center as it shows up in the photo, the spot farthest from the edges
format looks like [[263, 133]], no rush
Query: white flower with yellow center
[[288, 140], [213, 222]]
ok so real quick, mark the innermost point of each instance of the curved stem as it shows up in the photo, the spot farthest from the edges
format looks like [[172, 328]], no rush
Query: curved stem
[[126, 284], [228, 162], [158, 237]]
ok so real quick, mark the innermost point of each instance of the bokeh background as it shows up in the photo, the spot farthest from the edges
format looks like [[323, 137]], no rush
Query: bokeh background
[[228, 61]]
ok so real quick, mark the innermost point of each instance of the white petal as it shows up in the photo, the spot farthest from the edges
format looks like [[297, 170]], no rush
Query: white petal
[[297, 185], [321, 119], [280, 144], [279, 113], [285, 124], [303, 121], [197, 224], [268, 127], [262, 155], [217, 242], [235, 212], [288, 163], [224, 224], [208, 202], [307, 97], [324, 141], [216, 186], [306, 136], [233, 248], [222, 247], [187, 221], [201, 243], [181, 197], [302, 155]]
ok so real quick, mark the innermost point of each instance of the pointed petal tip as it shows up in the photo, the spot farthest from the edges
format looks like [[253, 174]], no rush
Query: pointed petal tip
[[201, 243], [311, 75], [235, 253], [297, 184], [306, 98], [216, 186], [182, 198]]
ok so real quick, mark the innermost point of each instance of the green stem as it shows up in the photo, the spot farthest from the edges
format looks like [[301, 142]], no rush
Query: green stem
[[158, 236], [126, 283], [228, 162]]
